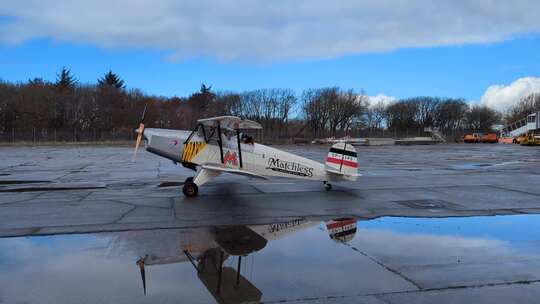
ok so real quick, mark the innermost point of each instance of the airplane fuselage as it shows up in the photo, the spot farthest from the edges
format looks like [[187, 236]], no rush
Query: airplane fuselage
[[255, 158]]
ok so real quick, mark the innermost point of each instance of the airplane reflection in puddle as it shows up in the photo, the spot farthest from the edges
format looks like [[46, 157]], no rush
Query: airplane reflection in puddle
[[208, 248]]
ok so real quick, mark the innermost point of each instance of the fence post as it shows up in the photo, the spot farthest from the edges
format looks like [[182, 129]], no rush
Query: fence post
[[13, 135]]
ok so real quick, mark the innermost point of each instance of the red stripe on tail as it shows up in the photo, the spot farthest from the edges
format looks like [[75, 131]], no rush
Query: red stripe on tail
[[345, 162]]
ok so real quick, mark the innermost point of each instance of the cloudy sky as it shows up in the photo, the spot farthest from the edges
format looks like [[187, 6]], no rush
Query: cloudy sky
[[483, 50]]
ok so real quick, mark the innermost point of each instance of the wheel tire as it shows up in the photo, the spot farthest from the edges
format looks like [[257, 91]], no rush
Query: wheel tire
[[190, 189], [328, 186]]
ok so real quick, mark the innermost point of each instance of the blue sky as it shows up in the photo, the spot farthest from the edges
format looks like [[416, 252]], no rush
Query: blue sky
[[475, 50], [456, 71]]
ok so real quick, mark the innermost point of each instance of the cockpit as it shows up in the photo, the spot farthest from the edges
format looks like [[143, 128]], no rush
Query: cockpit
[[247, 139], [210, 133]]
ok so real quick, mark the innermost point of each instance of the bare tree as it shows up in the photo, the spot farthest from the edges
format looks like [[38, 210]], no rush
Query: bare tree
[[481, 118], [450, 115], [524, 107]]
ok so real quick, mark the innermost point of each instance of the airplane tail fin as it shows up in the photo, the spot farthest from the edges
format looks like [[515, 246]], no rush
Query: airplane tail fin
[[342, 160]]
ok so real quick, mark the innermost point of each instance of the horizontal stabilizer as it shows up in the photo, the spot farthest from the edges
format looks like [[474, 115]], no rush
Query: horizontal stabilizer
[[331, 171]]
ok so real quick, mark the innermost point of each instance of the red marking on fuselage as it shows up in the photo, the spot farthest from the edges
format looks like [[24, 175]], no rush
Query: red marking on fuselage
[[338, 161], [230, 159]]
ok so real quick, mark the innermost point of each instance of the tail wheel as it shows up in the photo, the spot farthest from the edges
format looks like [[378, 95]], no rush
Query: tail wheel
[[327, 186], [190, 189]]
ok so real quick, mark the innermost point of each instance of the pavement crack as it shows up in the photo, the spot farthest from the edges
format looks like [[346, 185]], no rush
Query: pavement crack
[[124, 215], [392, 270], [380, 295], [514, 190], [85, 196]]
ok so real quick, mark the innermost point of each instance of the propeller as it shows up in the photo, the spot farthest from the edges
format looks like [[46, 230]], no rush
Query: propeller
[[140, 132], [140, 263]]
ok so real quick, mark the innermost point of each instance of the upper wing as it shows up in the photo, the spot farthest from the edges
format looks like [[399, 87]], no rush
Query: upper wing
[[232, 170], [230, 122]]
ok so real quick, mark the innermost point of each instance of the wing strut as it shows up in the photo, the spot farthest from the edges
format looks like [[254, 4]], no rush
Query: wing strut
[[220, 142], [239, 148]]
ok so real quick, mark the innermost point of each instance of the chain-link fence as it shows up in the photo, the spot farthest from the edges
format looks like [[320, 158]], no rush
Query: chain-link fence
[[94, 135], [58, 136]]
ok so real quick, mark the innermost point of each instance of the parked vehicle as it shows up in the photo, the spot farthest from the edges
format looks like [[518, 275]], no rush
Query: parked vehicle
[[490, 138], [507, 140], [530, 139], [472, 138], [521, 138]]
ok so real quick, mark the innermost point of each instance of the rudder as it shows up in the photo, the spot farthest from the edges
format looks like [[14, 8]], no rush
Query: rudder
[[342, 158]]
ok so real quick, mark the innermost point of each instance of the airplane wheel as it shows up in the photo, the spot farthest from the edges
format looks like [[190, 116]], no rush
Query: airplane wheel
[[190, 189], [328, 186]]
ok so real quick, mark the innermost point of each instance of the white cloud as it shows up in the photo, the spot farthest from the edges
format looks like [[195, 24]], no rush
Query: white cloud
[[267, 30], [502, 97], [381, 99]]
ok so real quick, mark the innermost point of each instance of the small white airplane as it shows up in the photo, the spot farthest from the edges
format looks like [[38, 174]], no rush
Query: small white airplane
[[216, 145]]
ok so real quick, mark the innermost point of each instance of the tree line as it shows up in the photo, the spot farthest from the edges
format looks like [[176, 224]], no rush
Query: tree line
[[95, 111]]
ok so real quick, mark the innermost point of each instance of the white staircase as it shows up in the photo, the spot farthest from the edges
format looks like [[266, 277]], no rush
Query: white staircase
[[525, 125], [435, 134]]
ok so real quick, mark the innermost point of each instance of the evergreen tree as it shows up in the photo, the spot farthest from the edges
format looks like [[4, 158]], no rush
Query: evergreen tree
[[65, 81], [206, 89], [36, 81], [111, 80]]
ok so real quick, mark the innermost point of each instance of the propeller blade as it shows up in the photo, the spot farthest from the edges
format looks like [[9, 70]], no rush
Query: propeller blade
[[140, 132], [140, 263], [143, 116]]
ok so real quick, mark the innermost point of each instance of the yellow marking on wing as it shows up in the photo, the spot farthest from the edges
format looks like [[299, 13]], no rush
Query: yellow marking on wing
[[191, 149]]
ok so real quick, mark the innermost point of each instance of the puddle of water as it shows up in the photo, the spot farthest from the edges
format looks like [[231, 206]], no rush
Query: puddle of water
[[170, 184], [284, 261], [15, 182], [469, 166], [483, 165], [60, 188]]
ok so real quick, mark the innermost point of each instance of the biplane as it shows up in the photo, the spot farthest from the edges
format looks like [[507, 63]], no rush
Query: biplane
[[220, 145]]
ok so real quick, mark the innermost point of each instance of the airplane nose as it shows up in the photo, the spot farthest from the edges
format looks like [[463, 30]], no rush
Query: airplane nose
[[148, 133]]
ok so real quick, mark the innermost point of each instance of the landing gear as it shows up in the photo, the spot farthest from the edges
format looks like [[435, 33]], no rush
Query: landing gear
[[327, 186], [190, 189]]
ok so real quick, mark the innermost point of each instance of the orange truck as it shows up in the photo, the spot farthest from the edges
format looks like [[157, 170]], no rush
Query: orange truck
[[472, 138], [480, 138], [490, 138]]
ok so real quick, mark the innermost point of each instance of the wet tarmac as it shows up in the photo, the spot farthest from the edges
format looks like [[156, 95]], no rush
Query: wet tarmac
[[388, 260], [445, 223]]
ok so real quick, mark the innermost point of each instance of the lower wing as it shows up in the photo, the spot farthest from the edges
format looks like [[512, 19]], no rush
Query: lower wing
[[233, 171]]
